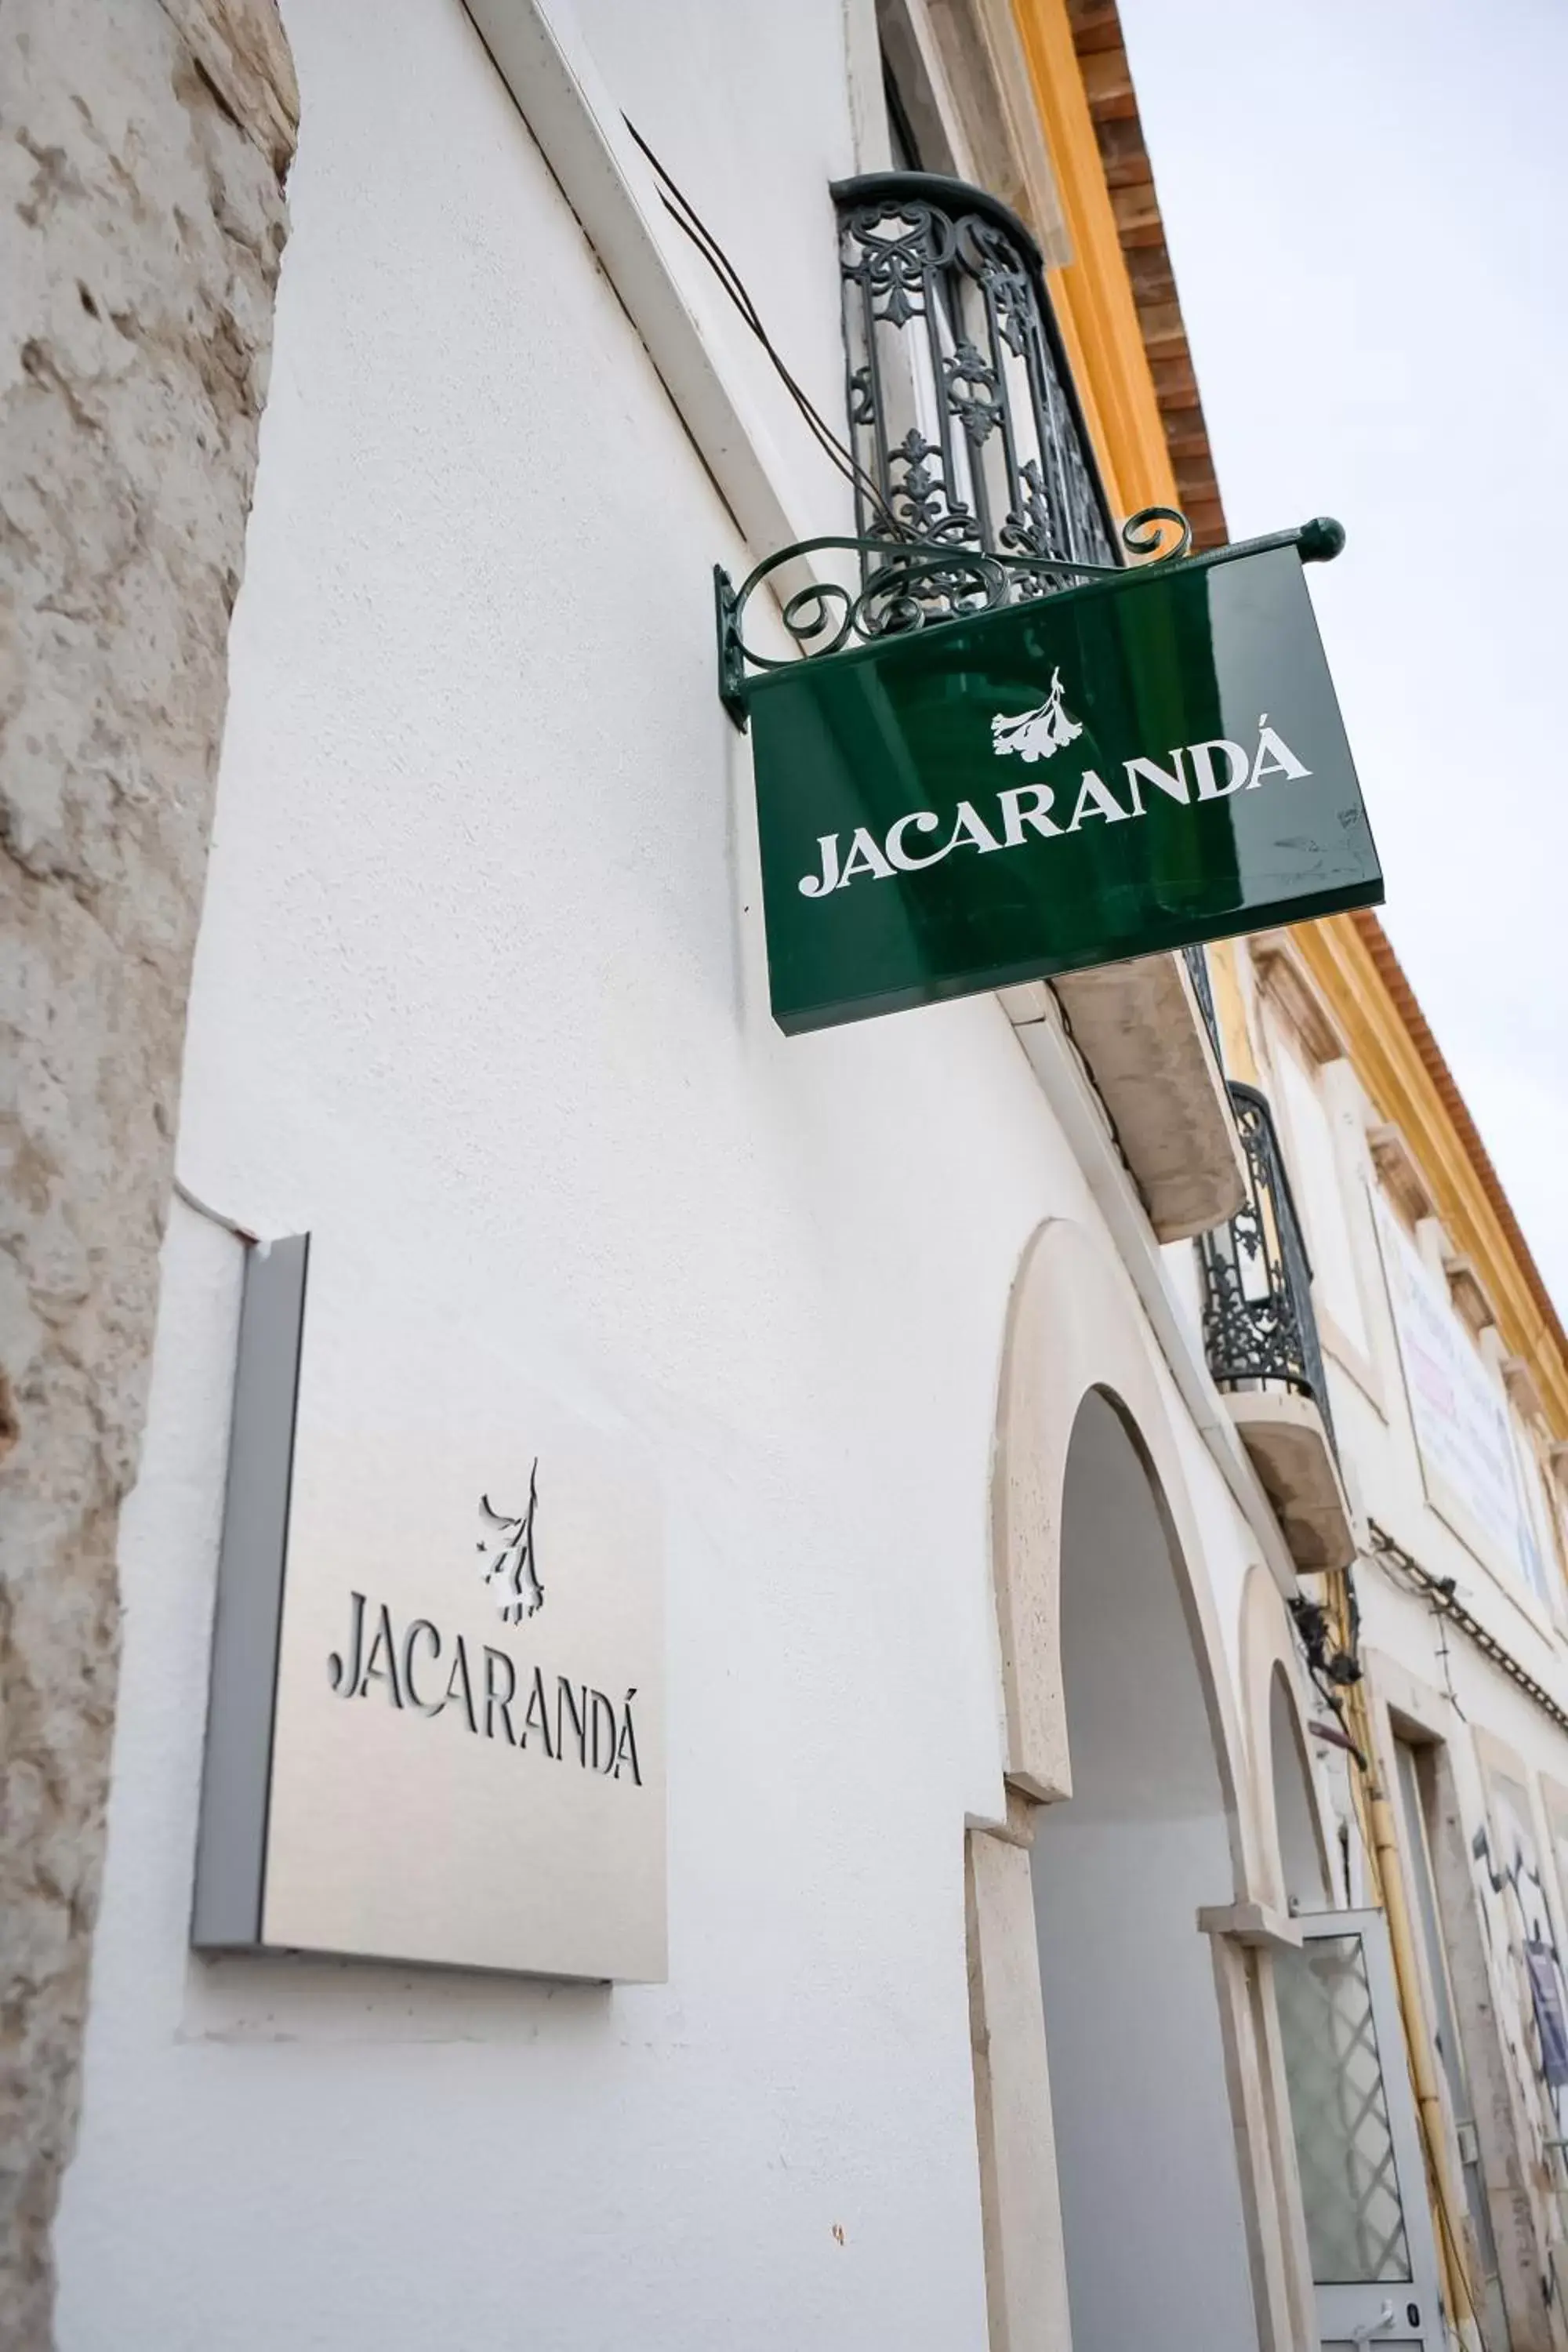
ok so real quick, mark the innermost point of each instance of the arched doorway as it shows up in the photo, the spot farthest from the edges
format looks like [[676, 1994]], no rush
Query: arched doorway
[[1152, 2219]]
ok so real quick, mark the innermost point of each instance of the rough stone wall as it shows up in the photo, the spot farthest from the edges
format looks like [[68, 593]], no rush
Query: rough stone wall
[[142, 152]]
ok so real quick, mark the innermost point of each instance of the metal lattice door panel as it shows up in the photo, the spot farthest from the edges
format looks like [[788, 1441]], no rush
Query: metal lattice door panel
[[1358, 2153]]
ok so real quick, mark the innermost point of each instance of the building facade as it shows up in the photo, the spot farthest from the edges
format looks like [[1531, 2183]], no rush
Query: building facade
[[1062, 1833], [1443, 1359]]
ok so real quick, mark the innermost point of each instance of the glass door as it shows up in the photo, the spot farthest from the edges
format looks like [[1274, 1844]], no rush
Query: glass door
[[1358, 2149]]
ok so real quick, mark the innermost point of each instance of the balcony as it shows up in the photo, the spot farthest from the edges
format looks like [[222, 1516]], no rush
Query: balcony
[[1261, 1339], [1147, 1032]]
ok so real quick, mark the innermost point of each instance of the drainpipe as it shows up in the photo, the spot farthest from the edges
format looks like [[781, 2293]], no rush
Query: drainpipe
[[1380, 1839]]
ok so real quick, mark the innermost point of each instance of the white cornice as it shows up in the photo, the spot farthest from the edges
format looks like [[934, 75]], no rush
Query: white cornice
[[690, 335]]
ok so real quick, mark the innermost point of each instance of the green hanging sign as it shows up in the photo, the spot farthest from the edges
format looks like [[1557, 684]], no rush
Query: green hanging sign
[[1146, 762]]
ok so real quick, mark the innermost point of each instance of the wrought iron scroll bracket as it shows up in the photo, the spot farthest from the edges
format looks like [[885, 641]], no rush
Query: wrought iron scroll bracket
[[909, 585], [732, 658]]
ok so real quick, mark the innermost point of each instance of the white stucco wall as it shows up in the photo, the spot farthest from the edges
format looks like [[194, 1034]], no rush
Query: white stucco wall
[[480, 987], [481, 992]]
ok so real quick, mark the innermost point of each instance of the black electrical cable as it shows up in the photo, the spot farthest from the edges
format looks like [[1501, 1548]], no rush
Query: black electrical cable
[[690, 221], [1443, 1595]]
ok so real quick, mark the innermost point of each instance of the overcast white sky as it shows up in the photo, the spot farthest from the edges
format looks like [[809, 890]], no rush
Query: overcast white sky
[[1366, 202]]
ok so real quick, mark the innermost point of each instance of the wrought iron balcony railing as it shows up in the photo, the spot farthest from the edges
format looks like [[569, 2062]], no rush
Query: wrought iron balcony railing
[[1203, 989], [963, 421], [1259, 1330], [975, 478]]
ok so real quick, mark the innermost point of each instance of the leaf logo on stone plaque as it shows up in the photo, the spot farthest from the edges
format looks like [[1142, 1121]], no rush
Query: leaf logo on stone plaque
[[512, 1570]]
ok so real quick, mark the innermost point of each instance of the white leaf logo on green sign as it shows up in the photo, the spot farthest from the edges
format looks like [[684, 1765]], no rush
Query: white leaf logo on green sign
[[1037, 734]]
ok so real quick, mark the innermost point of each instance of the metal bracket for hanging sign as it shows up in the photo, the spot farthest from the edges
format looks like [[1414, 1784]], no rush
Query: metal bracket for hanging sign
[[910, 586]]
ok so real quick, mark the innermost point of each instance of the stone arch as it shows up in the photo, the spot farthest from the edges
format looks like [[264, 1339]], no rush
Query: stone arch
[[1293, 1839], [1074, 1329], [1078, 1358]]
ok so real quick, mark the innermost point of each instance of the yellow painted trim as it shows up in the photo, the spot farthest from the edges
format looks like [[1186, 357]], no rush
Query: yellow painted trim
[[1390, 1067], [1092, 296], [1230, 1012]]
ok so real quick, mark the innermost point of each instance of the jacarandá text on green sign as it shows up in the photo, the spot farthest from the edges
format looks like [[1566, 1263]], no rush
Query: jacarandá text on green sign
[[1150, 761]]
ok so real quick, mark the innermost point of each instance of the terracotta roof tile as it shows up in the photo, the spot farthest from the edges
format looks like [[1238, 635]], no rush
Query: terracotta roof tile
[[1113, 106]]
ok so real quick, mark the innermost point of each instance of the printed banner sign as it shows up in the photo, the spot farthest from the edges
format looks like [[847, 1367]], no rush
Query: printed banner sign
[[435, 1728], [1458, 1410], [1140, 764]]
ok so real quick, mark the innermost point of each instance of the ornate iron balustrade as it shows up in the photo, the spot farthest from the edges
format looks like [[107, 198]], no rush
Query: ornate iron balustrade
[[1259, 1330], [1203, 989], [906, 585], [963, 425]]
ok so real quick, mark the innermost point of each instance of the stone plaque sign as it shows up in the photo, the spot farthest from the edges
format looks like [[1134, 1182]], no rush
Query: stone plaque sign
[[436, 1722]]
